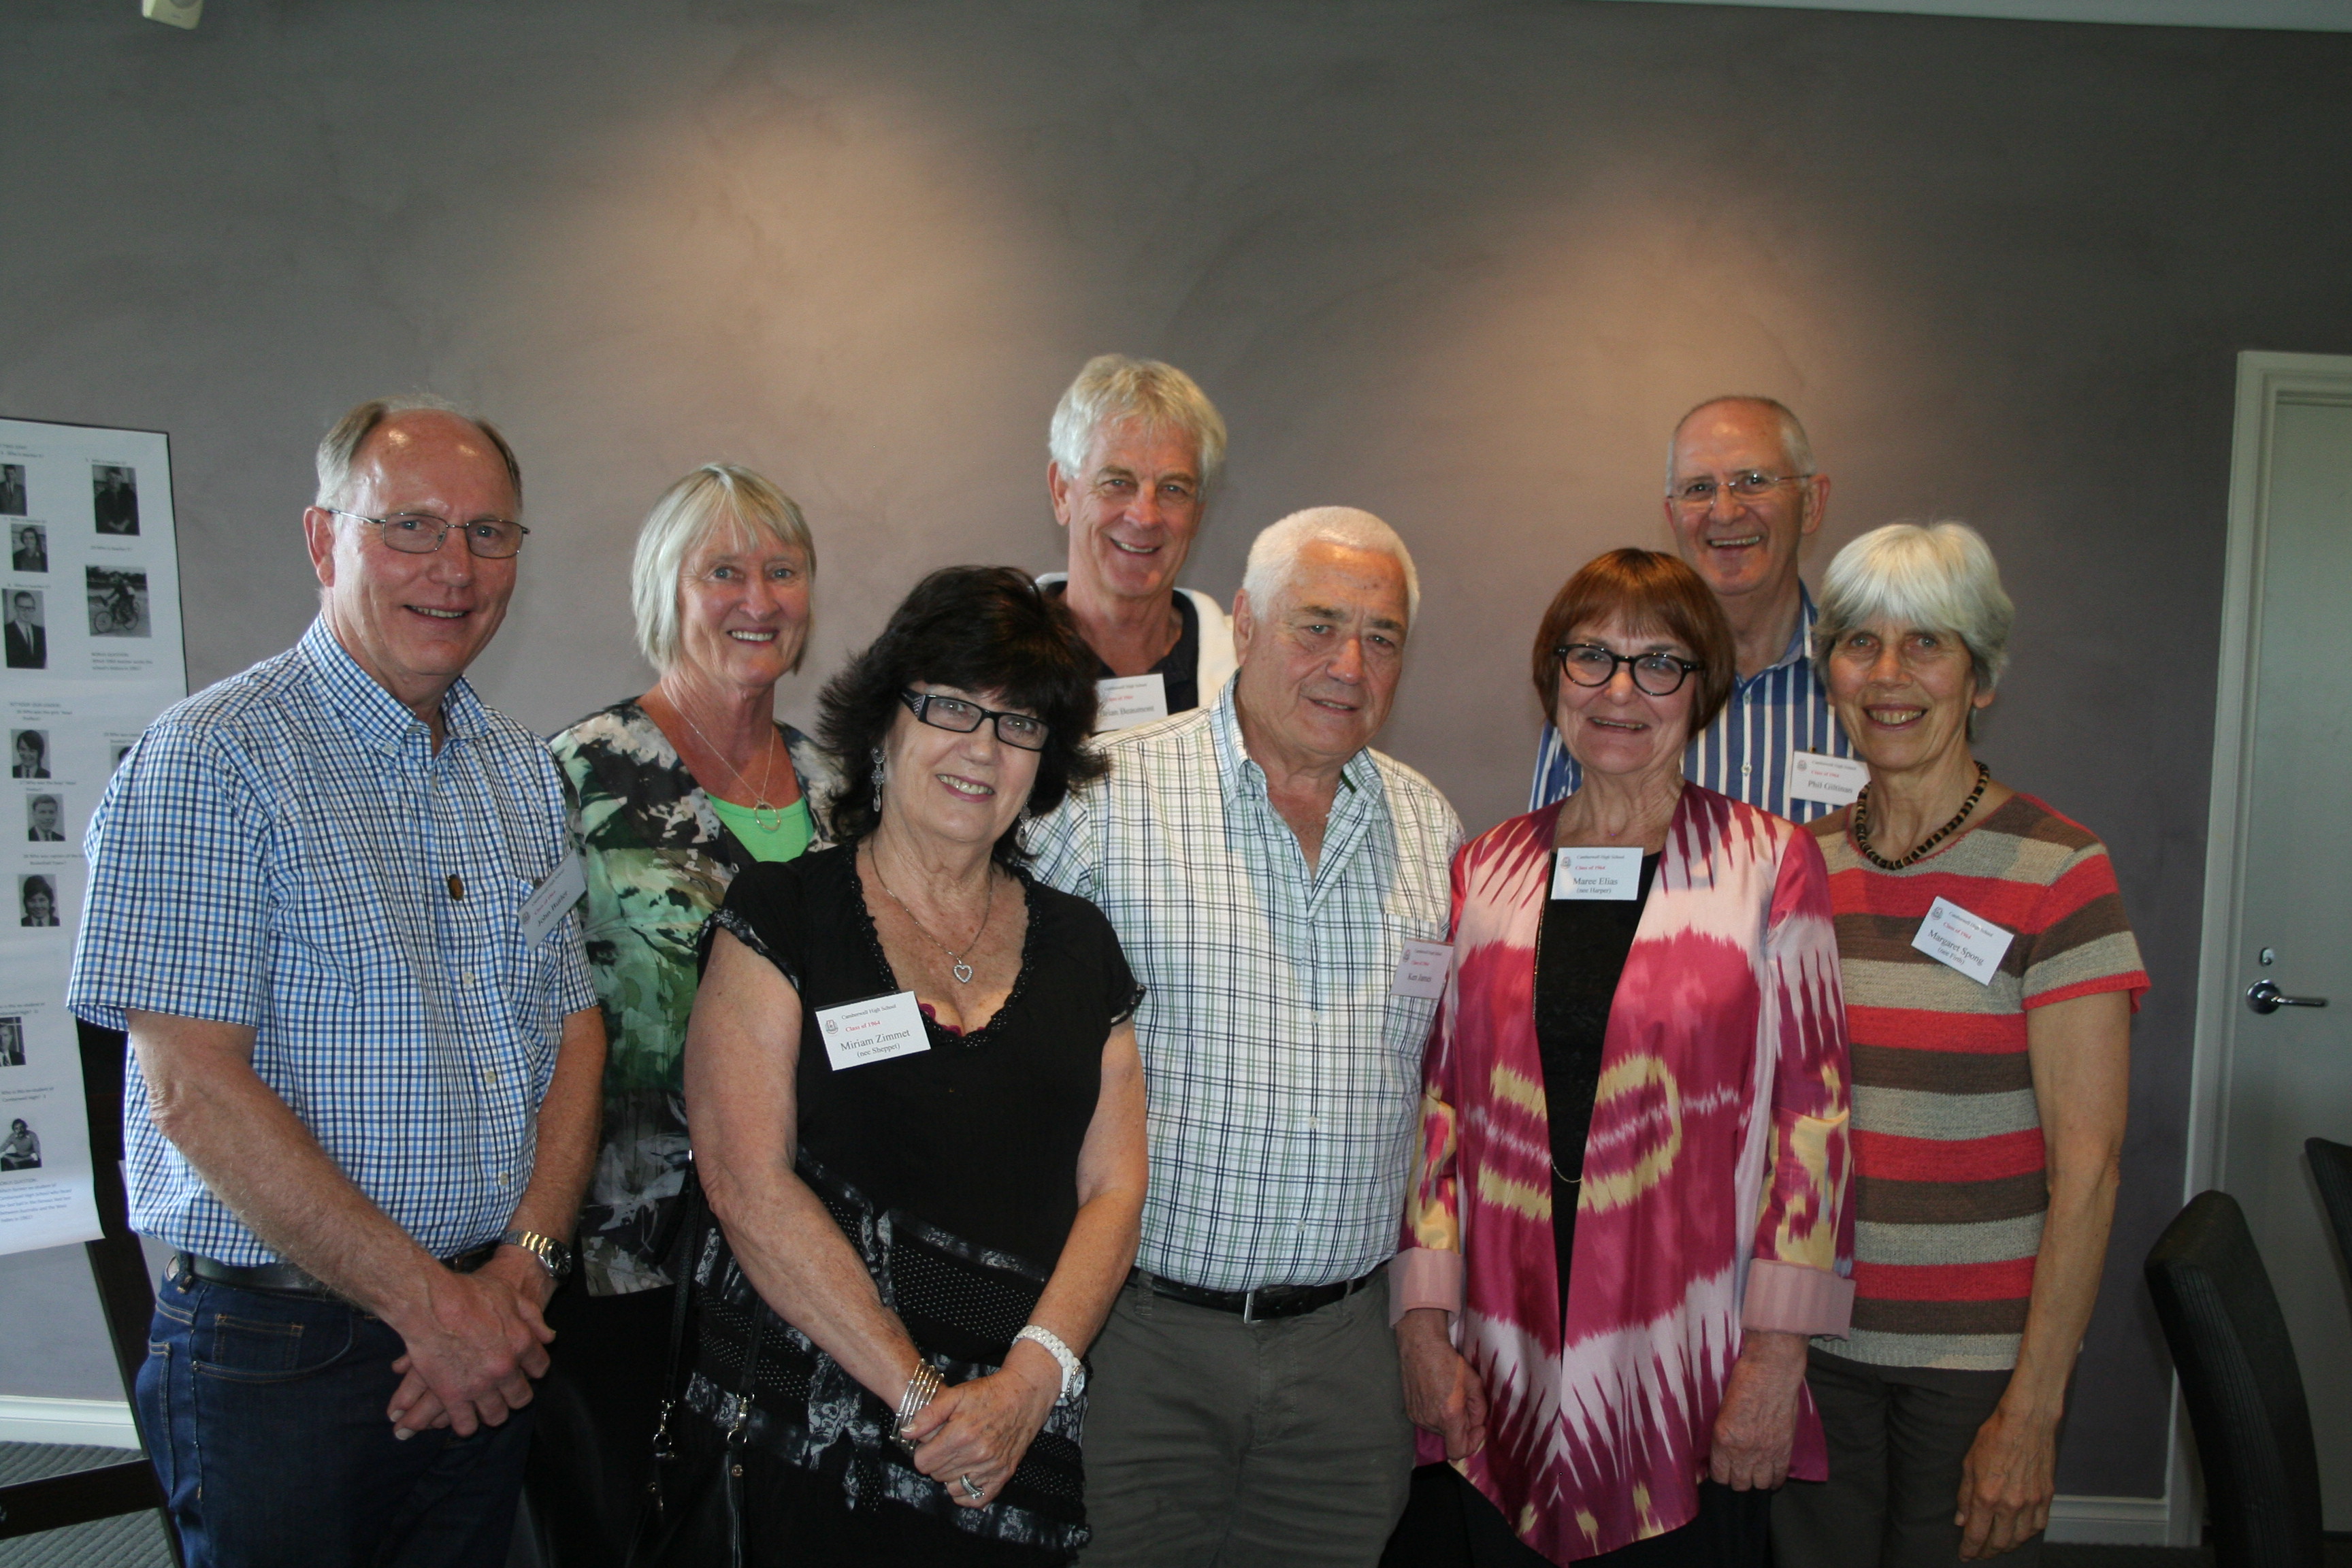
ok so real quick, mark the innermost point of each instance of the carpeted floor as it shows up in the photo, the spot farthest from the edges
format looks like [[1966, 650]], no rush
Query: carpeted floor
[[134, 1540]]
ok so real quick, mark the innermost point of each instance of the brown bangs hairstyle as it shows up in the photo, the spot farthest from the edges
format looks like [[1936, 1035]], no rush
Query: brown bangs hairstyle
[[1655, 594]]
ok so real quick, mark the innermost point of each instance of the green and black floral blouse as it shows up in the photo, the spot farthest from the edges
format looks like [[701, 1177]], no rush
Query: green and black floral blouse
[[658, 862]]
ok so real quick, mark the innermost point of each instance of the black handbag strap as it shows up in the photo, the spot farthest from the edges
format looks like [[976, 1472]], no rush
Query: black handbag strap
[[693, 1222]]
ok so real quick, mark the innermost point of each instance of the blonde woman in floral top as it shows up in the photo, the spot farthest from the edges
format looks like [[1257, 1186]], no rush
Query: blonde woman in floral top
[[671, 796]]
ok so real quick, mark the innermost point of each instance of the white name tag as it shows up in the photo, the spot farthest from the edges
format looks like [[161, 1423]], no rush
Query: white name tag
[[1951, 936], [1612, 873], [1817, 776], [553, 898], [1421, 970], [874, 1030], [1130, 699]]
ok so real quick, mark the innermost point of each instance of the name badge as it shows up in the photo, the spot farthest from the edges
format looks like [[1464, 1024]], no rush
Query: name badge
[[1422, 972], [874, 1030], [1951, 936], [1130, 699], [1817, 776], [553, 898], [1613, 874]]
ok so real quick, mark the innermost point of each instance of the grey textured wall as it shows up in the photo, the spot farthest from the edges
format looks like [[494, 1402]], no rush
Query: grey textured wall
[[1460, 263]]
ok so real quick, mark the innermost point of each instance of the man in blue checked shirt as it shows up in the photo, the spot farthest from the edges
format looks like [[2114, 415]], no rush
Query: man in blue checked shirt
[[363, 1091], [1742, 497]]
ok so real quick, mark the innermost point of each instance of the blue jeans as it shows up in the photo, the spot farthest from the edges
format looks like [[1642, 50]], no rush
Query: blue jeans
[[267, 1414]]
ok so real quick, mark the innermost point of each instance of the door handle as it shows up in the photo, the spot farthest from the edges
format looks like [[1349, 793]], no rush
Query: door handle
[[2265, 997]]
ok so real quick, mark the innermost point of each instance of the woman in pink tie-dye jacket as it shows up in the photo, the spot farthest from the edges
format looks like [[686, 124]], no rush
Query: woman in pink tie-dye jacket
[[1702, 1210]]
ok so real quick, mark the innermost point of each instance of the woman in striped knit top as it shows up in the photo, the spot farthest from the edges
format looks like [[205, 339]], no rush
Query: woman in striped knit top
[[1990, 981]]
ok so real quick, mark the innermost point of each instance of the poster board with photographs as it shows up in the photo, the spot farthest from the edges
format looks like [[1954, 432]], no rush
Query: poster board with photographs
[[90, 617]]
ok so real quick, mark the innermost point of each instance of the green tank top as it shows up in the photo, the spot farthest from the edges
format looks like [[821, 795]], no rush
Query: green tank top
[[783, 841]]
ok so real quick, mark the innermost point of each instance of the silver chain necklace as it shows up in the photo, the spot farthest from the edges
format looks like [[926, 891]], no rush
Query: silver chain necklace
[[962, 970], [759, 795]]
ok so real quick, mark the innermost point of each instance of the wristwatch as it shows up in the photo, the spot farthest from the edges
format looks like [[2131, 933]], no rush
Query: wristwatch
[[1074, 1370], [553, 1254]]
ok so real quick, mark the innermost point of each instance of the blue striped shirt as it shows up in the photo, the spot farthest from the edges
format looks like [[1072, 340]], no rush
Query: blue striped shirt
[[1745, 752], [287, 851]]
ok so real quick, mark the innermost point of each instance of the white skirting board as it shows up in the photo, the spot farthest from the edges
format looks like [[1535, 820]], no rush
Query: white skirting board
[[2111, 1521], [97, 1423], [104, 1423]]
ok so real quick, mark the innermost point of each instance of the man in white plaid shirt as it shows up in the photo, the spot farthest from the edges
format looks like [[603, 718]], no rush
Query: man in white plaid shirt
[[362, 1096], [1281, 890]]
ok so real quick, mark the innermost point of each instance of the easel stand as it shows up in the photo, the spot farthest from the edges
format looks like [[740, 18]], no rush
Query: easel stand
[[119, 1269]]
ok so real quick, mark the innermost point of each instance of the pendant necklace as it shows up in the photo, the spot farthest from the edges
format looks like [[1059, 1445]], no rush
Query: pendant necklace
[[1862, 826], [962, 970], [759, 797]]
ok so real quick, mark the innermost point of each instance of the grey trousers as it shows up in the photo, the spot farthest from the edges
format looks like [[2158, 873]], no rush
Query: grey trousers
[[1209, 1441], [1896, 1437]]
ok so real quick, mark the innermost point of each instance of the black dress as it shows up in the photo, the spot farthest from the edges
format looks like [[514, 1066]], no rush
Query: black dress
[[953, 1173]]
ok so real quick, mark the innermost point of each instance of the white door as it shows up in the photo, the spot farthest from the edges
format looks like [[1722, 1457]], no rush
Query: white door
[[2275, 1078]]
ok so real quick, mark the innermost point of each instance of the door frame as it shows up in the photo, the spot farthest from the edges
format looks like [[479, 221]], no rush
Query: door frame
[[2264, 378]]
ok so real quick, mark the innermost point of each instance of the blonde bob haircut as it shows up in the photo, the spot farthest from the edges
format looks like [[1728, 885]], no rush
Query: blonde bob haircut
[[1940, 576], [713, 496]]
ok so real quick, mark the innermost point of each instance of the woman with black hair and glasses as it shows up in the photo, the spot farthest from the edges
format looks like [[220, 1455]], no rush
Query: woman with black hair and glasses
[[918, 1110]]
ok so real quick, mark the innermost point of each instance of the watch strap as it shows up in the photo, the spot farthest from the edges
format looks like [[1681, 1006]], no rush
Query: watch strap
[[553, 1254], [1074, 1370]]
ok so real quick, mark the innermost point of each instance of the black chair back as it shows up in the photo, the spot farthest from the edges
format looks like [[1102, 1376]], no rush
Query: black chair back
[[2331, 1167], [2244, 1389]]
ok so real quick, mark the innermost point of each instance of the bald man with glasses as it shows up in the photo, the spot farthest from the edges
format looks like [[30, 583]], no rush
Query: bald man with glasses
[[1742, 497]]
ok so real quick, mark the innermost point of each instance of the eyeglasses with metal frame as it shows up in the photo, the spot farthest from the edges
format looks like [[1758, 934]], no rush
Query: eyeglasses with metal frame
[[1657, 674], [1747, 484], [1023, 730], [421, 533]]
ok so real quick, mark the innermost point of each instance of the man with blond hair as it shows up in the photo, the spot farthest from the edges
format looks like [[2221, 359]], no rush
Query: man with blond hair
[[1137, 449]]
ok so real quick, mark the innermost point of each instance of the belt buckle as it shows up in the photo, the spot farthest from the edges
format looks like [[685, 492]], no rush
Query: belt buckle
[[1249, 1305]]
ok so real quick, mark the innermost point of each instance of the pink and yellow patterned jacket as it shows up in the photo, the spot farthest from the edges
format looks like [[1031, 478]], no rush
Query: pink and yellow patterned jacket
[[1714, 1196]]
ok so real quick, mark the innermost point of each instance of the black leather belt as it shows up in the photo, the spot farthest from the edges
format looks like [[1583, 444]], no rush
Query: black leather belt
[[285, 1279], [1255, 1305]]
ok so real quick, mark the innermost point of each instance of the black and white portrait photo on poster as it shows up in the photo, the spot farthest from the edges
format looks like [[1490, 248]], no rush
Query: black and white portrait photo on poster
[[20, 1150], [29, 753], [114, 496], [12, 1042], [28, 547], [45, 819], [37, 896], [28, 632], [121, 749], [117, 601], [12, 490]]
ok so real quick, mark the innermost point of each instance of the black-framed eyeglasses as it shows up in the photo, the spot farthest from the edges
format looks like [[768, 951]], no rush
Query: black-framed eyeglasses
[[1658, 674], [1022, 729], [421, 533], [1747, 484]]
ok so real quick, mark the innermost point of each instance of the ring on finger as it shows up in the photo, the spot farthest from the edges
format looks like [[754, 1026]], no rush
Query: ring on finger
[[972, 1489]]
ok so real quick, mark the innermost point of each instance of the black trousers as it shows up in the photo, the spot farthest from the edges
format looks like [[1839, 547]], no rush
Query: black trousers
[[1449, 1523], [591, 1460]]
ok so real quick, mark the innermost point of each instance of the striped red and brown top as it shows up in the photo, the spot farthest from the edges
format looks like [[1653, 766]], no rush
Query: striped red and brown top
[[1948, 1179]]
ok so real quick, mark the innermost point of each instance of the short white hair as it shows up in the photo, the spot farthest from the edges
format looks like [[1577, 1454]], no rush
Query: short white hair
[[1794, 446], [1112, 387], [713, 496], [1276, 551], [1940, 576]]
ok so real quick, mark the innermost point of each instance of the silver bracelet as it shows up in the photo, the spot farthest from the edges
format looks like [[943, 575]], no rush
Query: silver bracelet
[[923, 1385], [1074, 1370]]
